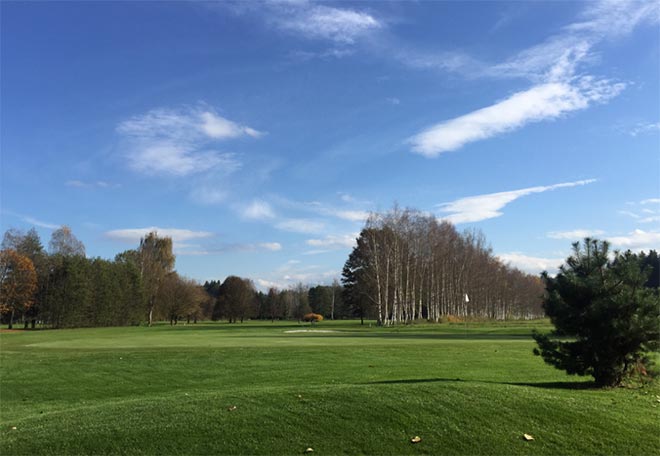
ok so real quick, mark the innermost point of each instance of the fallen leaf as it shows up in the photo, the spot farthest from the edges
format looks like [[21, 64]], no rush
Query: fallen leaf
[[416, 439], [309, 450], [528, 437], [231, 408]]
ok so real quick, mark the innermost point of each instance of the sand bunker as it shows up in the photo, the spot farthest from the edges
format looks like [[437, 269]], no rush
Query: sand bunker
[[311, 331]]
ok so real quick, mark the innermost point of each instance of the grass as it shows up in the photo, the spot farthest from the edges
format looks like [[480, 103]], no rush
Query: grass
[[464, 389]]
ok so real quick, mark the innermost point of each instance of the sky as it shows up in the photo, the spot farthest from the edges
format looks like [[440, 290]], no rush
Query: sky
[[260, 135]]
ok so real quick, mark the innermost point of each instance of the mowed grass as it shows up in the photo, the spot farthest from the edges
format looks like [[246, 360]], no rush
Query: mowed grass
[[464, 389]]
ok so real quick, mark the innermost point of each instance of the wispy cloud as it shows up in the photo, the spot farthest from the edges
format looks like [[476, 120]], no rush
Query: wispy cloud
[[598, 21], [310, 20], [178, 142], [90, 184], [298, 225], [543, 102], [257, 210], [334, 242], [272, 246], [31, 220], [531, 264], [340, 25], [553, 66], [575, 235], [178, 235], [483, 207], [644, 128], [645, 211], [637, 240], [293, 272]]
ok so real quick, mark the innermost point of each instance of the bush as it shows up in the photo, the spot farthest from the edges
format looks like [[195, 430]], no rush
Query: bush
[[606, 321], [312, 317]]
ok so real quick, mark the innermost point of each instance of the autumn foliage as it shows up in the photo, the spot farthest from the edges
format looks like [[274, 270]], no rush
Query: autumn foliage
[[313, 317], [18, 283]]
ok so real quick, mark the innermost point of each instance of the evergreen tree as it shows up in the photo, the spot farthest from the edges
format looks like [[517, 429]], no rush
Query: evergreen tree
[[611, 320]]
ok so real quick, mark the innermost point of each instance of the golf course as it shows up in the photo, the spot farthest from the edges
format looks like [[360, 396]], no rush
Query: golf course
[[336, 387]]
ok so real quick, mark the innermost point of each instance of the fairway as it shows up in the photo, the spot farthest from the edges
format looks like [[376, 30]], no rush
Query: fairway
[[339, 388]]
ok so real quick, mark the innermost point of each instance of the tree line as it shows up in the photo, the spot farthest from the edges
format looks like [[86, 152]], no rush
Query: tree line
[[60, 287], [405, 266], [408, 265]]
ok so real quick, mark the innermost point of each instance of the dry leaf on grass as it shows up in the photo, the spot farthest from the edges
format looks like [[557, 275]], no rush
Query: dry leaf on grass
[[416, 439], [528, 437], [231, 408]]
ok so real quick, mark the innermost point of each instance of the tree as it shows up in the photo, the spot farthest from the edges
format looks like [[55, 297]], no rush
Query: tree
[[155, 260], [29, 244], [602, 306], [235, 299], [18, 283], [63, 242]]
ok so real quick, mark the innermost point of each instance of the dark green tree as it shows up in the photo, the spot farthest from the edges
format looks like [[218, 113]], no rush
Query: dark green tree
[[606, 321], [235, 300]]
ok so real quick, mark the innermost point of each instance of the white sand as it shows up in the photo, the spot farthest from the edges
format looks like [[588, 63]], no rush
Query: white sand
[[311, 331]]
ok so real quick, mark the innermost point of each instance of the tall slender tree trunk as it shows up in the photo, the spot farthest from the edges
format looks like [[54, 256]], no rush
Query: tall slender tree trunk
[[11, 319]]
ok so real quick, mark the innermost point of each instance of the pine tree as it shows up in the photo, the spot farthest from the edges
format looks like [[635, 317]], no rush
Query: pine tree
[[605, 319]]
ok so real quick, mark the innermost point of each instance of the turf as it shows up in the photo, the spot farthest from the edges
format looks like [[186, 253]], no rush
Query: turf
[[464, 389]]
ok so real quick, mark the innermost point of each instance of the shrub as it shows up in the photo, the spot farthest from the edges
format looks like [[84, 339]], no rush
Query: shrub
[[312, 317]]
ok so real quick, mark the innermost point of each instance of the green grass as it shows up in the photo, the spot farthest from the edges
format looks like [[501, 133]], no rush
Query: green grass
[[464, 389]]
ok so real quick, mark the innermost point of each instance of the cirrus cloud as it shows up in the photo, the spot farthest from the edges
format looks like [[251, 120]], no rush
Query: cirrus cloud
[[483, 207], [178, 142]]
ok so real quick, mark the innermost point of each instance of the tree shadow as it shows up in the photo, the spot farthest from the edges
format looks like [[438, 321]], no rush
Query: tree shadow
[[589, 385]]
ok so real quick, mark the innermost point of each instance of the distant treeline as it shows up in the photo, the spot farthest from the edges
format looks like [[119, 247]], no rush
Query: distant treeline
[[406, 266]]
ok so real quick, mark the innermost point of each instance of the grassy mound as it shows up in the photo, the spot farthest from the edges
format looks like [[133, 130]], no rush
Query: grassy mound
[[258, 388]]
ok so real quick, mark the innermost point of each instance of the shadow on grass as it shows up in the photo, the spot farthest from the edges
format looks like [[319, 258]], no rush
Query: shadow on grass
[[590, 385]]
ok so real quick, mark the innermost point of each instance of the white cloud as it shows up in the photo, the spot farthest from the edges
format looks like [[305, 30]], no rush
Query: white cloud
[[197, 250], [644, 128], [178, 235], [644, 214], [293, 272], [333, 242], [176, 141], [600, 20], [208, 195], [552, 64], [531, 264], [350, 215], [340, 25], [542, 102], [482, 207], [637, 240], [575, 235], [272, 246], [92, 184], [257, 210], [297, 225], [32, 220], [267, 284]]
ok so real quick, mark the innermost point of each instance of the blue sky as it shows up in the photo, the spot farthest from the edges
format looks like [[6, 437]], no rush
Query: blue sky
[[260, 135]]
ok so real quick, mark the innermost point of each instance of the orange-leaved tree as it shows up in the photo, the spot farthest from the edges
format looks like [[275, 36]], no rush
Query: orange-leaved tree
[[18, 283], [313, 317]]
